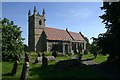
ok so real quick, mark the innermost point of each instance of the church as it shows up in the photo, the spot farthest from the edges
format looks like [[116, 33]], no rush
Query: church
[[46, 39]]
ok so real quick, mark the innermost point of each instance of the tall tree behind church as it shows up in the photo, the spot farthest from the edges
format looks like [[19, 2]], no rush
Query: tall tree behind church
[[109, 42]]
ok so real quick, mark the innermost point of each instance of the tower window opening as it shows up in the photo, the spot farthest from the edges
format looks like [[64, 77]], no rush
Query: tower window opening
[[40, 22]]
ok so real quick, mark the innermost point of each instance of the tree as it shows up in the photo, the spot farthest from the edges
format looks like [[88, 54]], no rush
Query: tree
[[0, 39], [109, 42], [94, 48], [87, 43], [25, 47], [11, 40]]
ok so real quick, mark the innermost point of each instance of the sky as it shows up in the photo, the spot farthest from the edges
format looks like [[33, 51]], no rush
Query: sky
[[76, 16]]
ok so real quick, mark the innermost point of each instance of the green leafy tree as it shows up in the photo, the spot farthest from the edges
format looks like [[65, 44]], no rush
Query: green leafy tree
[[0, 40], [87, 43], [109, 42], [25, 47], [94, 48], [11, 40]]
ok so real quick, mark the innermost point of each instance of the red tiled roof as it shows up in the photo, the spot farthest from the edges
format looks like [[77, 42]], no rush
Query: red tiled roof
[[57, 34], [76, 36]]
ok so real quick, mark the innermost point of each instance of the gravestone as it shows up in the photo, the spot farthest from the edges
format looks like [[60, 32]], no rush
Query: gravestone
[[25, 68], [51, 58], [66, 64], [25, 71], [44, 60], [15, 66]]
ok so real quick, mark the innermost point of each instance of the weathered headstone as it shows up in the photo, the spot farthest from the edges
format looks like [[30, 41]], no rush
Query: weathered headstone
[[25, 68], [25, 71], [15, 66], [44, 60]]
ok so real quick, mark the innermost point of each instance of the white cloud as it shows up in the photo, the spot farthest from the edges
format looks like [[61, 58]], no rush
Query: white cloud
[[81, 13]]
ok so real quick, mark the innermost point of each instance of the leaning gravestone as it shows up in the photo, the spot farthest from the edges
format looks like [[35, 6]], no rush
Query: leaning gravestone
[[25, 71], [25, 68], [15, 66], [66, 64]]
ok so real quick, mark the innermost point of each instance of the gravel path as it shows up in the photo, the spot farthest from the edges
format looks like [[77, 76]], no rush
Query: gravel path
[[89, 62]]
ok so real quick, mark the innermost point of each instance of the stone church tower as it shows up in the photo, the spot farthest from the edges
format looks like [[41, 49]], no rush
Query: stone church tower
[[36, 24]]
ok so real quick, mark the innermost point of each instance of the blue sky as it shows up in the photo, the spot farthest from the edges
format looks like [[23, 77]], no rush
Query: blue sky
[[76, 16]]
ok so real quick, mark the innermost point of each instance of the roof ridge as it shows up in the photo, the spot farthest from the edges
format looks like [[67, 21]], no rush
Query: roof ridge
[[61, 29], [69, 34], [55, 28]]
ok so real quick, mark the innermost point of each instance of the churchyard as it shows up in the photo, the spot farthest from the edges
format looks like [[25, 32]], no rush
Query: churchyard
[[61, 67]]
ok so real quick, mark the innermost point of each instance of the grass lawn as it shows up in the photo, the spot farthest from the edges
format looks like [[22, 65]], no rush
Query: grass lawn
[[99, 59], [0, 70], [36, 72]]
